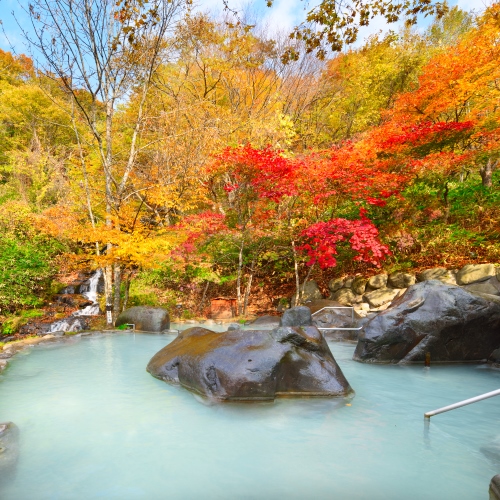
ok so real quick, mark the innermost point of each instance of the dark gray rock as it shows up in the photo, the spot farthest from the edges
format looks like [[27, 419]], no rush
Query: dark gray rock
[[233, 326], [401, 280], [494, 358], [447, 321], [297, 316], [146, 319], [9, 451], [495, 488], [251, 365]]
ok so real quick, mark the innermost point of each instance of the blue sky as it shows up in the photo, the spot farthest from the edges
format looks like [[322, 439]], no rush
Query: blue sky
[[284, 15]]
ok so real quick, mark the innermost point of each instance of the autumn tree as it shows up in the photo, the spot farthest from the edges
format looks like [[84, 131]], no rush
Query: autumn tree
[[451, 119], [334, 23], [99, 53]]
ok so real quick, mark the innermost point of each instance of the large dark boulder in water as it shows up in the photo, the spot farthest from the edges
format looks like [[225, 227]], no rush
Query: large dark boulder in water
[[146, 319], [447, 321], [251, 365]]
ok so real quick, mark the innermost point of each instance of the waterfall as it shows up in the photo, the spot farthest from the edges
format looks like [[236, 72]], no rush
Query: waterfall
[[76, 322], [91, 294]]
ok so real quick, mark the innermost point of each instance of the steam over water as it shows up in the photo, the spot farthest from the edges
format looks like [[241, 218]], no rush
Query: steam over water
[[94, 425]]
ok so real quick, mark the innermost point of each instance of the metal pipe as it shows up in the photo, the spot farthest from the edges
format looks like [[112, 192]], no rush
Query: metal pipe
[[339, 307], [357, 328], [487, 395], [333, 307]]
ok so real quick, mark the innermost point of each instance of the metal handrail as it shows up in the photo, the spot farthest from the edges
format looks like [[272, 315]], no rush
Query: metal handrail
[[338, 328], [465, 402]]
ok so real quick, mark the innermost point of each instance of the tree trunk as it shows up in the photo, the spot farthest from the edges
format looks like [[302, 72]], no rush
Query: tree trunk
[[297, 277], [126, 293], [108, 293], [248, 288], [486, 172], [308, 275], [200, 307], [238, 279], [117, 297]]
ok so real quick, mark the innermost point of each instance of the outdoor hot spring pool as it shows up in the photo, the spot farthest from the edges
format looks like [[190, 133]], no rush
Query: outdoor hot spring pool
[[94, 424]]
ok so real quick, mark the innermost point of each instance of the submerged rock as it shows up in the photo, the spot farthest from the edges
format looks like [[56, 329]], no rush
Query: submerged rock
[[445, 320], [9, 450], [146, 319], [251, 365], [492, 450]]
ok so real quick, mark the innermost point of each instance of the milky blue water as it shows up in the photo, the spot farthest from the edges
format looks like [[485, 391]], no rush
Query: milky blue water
[[95, 425]]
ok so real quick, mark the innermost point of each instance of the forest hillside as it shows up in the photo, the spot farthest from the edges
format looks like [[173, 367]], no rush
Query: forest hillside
[[194, 160]]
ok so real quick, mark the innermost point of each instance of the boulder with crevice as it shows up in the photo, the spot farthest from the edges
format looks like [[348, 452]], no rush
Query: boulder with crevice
[[251, 365], [447, 321]]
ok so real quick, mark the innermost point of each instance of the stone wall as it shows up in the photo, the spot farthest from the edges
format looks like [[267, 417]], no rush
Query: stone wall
[[376, 293]]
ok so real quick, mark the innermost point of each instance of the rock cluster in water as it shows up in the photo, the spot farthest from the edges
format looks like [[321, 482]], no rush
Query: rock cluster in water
[[243, 365], [447, 321]]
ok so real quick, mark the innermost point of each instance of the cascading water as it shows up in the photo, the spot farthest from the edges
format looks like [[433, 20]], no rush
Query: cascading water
[[76, 321], [90, 294]]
